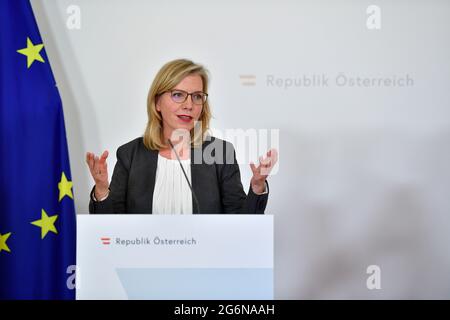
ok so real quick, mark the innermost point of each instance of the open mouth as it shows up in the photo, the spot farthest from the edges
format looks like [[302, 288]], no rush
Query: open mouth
[[185, 118]]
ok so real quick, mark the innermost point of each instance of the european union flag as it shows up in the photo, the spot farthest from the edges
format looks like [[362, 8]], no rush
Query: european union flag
[[37, 215]]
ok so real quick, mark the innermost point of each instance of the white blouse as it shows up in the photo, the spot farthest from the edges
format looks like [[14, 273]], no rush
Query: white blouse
[[172, 194]]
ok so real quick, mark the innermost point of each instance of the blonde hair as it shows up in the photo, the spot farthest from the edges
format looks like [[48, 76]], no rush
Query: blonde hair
[[167, 78]]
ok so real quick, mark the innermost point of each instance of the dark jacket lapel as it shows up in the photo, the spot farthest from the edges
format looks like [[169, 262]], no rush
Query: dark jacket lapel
[[195, 174], [152, 162]]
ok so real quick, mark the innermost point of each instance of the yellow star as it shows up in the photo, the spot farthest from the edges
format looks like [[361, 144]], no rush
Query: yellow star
[[3, 245], [65, 187], [32, 52], [46, 224]]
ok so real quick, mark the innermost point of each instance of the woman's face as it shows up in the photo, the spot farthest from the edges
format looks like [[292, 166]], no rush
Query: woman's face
[[181, 115]]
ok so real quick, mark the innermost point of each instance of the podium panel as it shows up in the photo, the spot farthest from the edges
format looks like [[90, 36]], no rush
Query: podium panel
[[124, 256]]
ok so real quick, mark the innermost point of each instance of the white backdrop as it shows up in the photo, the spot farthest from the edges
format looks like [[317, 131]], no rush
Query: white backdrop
[[364, 173]]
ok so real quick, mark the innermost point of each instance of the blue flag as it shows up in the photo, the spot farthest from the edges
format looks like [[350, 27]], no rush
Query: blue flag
[[37, 215]]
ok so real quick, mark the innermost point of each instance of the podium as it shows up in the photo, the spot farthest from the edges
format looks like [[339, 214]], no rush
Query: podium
[[207, 257]]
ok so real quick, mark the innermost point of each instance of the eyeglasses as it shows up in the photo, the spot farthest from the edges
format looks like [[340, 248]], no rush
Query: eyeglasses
[[180, 96]]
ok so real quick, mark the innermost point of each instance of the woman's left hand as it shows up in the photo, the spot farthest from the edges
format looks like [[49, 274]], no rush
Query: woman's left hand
[[261, 172]]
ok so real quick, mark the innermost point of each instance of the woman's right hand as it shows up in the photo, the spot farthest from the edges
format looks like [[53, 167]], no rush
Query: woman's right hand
[[99, 171]]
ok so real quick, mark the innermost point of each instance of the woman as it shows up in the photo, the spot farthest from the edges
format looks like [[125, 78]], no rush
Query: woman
[[155, 173]]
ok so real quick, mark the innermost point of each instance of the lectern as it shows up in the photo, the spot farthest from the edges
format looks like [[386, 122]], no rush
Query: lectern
[[125, 256]]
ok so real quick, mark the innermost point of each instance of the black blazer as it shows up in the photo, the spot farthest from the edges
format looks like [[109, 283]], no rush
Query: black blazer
[[217, 186]]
